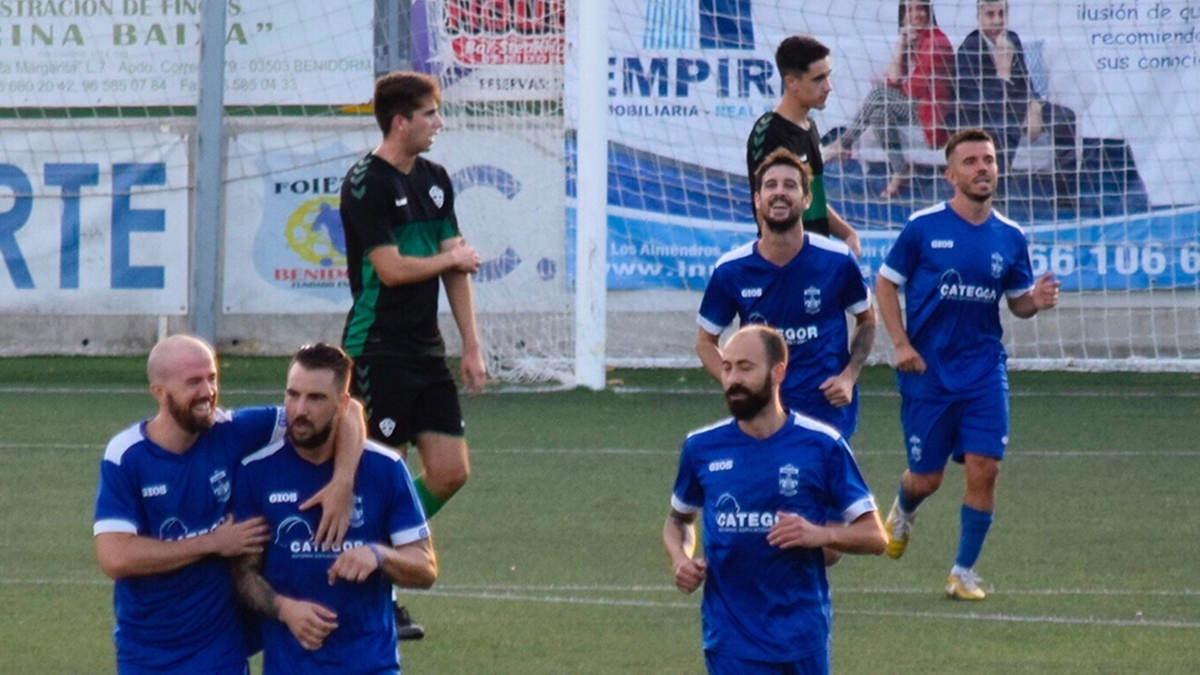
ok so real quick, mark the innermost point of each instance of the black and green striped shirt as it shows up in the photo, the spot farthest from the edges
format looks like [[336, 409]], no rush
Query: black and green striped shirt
[[380, 206], [772, 131]]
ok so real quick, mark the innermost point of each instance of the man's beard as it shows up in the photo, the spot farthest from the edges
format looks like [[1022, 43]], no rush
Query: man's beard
[[980, 198], [187, 420], [314, 440], [753, 402], [785, 225]]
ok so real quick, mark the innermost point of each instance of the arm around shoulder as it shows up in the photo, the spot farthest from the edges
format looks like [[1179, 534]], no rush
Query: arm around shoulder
[[337, 497]]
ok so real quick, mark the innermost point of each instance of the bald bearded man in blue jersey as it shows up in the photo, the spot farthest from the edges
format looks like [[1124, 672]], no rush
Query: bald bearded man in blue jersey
[[765, 481], [162, 526]]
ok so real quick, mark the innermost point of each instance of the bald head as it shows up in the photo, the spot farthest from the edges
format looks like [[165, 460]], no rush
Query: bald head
[[753, 364], [772, 344], [172, 354], [183, 379]]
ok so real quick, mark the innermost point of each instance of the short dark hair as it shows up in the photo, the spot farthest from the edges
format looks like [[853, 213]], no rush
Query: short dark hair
[[795, 54], [400, 93], [784, 157], [324, 356], [966, 136]]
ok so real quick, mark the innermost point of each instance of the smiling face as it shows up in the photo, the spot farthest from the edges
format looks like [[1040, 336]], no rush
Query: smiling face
[[916, 15], [183, 379], [971, 169], [781, 199]]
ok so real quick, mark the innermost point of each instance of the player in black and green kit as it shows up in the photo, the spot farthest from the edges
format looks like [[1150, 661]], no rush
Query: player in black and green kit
[[402, 237], [805, 71]]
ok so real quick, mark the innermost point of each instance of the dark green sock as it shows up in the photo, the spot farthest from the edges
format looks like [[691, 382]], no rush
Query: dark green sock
[[429, 501]]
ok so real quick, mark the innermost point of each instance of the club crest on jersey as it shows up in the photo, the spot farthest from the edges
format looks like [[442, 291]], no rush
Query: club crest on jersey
[[914, 447], [356, 515], [438, 197], [219, 481], [812, 300], [387, 425], [997, 265], [788, 480]]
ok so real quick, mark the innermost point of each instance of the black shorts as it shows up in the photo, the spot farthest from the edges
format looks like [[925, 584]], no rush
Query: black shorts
[[403, 401]]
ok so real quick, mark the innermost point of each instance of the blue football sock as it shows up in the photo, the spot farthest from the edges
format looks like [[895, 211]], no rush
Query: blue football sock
[[908, 503], [975, 525]]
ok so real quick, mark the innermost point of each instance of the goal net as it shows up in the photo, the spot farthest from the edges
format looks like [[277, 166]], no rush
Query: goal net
[[98, 222], [1105, 192]]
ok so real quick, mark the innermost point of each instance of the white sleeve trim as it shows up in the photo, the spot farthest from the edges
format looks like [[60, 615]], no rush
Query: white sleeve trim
[[280, 430], [1017, 292], [709, 327], [410, 535], [683, 507], [860, 307], [112, 525], [865, 505], [892, 275]]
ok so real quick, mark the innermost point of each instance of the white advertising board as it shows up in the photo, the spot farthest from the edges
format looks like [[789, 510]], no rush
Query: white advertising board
[[94, 223]]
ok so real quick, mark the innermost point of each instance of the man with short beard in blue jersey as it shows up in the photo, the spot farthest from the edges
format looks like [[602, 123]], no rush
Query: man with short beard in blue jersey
[[765, 481], [329, 609], [955, 261], [162, 529], [802, 284]]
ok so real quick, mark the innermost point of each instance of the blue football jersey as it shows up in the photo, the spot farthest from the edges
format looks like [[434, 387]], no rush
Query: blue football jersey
[[185, 621], [954, 274], [273, 483], [761, 602], [806, 300]]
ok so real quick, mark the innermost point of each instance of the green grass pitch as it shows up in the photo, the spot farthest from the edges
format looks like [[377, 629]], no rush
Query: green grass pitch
[[551, 560]]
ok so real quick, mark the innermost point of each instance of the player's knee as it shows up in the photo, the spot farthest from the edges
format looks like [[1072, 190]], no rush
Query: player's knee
[[448, 479], [922, 485], [458, 477], [987, 477]]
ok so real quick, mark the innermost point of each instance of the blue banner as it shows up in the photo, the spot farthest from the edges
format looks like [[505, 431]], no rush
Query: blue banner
[[1151, 251]]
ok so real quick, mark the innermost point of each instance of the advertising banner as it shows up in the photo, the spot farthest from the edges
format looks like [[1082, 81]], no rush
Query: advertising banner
[[688, 78], [94, 223], [285, 247], [85, 53], [484, 50]]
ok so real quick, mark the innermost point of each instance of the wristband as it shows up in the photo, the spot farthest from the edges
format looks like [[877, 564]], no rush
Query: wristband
[[378, 555]]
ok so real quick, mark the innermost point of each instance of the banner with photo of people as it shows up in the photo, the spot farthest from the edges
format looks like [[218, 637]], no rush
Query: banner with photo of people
[[688, 78]]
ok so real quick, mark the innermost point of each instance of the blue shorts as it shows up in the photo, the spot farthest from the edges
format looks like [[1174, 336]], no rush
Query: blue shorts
[[937, 431], [722, 664]]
